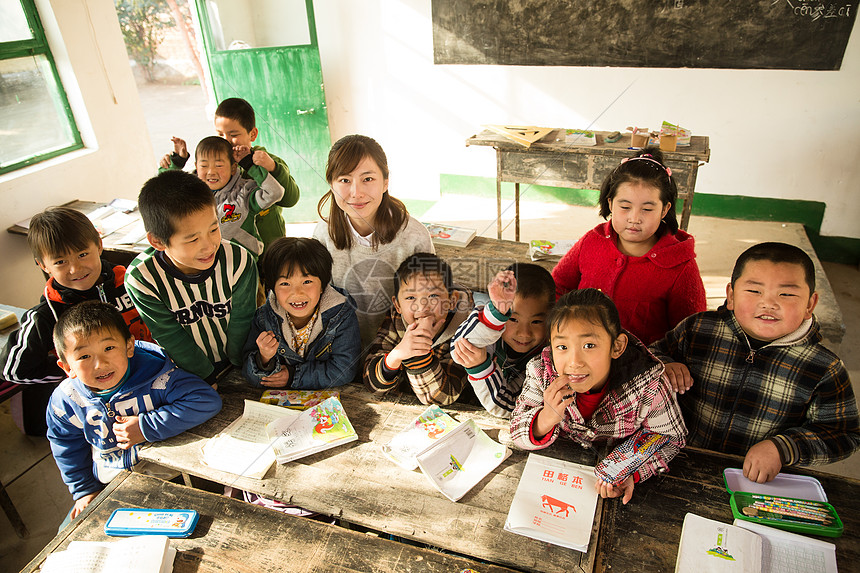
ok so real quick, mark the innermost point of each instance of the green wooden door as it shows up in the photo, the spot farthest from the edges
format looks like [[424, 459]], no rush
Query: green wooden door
[[246, 58]]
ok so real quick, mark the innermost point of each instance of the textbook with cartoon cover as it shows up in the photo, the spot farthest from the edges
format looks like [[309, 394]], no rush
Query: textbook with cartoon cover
[[297, 399], [421, 433], [450, 234], [319, 428], [545, 250], [555, 502], [459, 460]]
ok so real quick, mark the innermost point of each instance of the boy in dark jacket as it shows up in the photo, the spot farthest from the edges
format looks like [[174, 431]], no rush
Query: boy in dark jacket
[[68, 248]]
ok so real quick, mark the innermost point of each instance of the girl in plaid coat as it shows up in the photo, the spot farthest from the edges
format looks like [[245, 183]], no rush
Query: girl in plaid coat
[[597, 383]]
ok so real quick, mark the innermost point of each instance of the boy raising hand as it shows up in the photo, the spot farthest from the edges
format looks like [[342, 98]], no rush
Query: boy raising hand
[[497, 341]]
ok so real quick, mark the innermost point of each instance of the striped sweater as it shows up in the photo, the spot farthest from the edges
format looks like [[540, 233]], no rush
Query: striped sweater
[[200, 320]]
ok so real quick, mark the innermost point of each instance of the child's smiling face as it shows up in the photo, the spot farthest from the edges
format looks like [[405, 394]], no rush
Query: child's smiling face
[[423, 296], [526, 328], [770, 299], [299, 295], [99, 360], [582, 353], [78, 270], [234, 132], [215, 169]]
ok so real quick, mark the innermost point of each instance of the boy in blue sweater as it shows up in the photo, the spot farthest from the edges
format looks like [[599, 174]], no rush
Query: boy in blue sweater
[[119, 393]]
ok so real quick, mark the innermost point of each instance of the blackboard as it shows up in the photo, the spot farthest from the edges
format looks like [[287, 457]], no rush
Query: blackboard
[[769, 34]]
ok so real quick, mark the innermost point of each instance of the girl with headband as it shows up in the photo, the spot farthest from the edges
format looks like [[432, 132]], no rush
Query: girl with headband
[[639, 257]]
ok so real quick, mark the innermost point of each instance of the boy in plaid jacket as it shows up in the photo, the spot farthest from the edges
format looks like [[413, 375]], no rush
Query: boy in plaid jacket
[[412, 347], [753, 376]]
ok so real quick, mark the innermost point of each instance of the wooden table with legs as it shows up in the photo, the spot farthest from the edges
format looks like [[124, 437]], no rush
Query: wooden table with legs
[[561, 164]]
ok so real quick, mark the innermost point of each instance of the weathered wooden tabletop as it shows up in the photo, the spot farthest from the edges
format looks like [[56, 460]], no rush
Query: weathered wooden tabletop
[[358, 484], [234, 536]]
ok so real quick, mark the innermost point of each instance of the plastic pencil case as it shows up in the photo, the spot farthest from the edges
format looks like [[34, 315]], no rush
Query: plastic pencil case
[[788, 487], [125, 522]]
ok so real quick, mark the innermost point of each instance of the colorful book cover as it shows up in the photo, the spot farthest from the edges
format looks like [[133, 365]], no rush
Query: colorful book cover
[[304, 433], [580, 137], [544, 250], [459, 460], [422, 432], [624, 460], [297, 399], [450, 235], [555, 502]]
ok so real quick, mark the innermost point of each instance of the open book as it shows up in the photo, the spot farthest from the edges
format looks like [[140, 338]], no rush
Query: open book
[[421, 433], [457, 461], [304, 433], [142, 554], [243, 447], [554, 502]]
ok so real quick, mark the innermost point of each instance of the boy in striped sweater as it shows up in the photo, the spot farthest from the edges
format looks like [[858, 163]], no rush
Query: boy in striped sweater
[[195, 291], [497, 340]]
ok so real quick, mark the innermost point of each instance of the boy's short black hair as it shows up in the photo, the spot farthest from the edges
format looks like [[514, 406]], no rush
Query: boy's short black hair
[[168, 197], [237, 109], [85, 318], [776, 253], [288, 253], [534, 281], [214, 145], [423, 264], [60, 230]]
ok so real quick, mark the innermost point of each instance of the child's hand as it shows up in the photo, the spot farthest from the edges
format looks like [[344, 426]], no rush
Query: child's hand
[[277, 380], [417, 341], [606, 489], [762, 462], [556, 398], [179, 147], [467, 354], [267, 344], [240, 151], [165, 161], [502, 289], [679, 377], [127, 431], [81, 504], [264, 160]]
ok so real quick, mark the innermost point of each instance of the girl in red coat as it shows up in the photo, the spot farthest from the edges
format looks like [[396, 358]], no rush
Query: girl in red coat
[[639, 257]]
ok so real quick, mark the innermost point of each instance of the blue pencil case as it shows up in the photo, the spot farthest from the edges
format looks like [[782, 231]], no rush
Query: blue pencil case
[[124, 522]]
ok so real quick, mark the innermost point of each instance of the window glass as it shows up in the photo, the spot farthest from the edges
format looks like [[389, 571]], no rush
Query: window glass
[[13, 22], [32, 114], [36, 122]]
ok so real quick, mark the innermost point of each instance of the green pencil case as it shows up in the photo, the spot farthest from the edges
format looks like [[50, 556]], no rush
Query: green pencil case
[[785, 488]]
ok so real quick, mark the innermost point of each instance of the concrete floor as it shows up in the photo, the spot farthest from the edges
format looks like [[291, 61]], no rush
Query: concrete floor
[[34, 483]]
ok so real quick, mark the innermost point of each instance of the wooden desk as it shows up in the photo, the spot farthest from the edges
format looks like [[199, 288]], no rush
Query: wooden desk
[[236, 536], [476, 265], [358, 484], [644, 534], [114, 251], [563, 165]]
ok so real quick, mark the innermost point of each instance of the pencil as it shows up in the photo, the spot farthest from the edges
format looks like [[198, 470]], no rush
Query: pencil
[[762, 514]]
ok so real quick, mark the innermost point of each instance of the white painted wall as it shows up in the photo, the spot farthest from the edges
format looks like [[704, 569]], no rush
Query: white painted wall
[[780, 134], [87, 45]]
